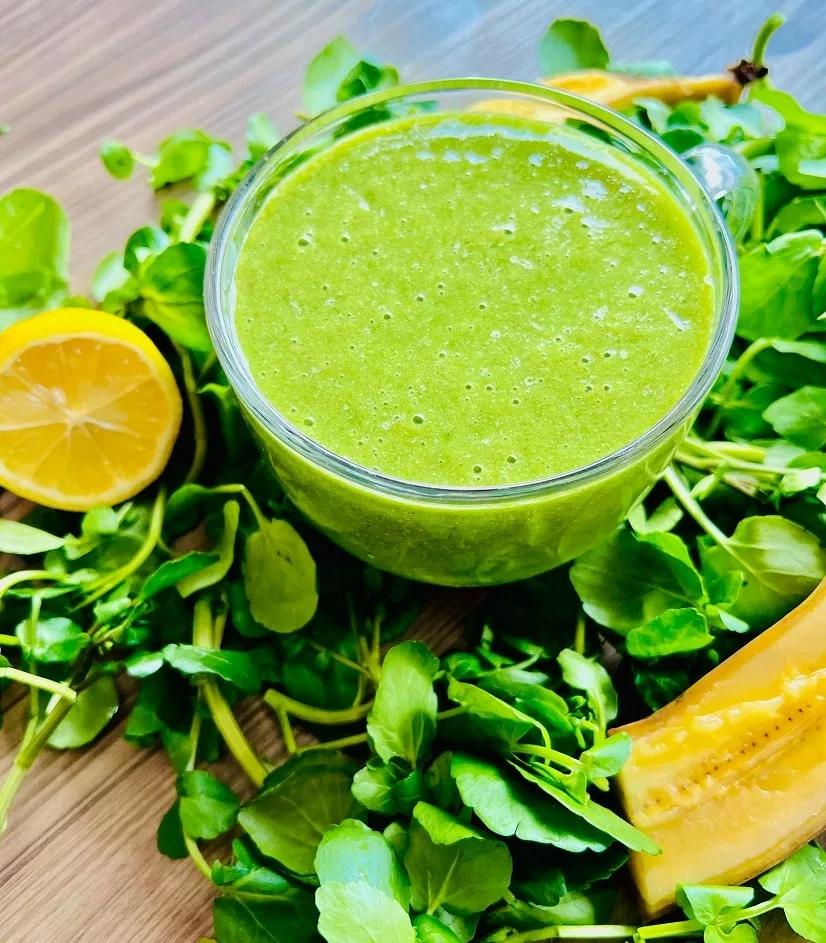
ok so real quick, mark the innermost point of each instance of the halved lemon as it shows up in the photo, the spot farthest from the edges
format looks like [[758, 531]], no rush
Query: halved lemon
[[89, 409]]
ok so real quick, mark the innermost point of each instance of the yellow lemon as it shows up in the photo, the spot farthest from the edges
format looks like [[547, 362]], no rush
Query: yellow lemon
[[89, 409]]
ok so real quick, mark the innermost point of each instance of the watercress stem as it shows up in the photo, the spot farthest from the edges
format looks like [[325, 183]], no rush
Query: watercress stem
[[196, 409], [548, 753], [203, 635], [247, 496], [11, 640], [35, 681], [317, 715], [341, 744], [665, 931], [763, 343], [765, 33], [604, 932], [23, 576], [287, 730], [197, 857], [579, 634], [692, 506], [340, 659], [109, 581], [197, 215]]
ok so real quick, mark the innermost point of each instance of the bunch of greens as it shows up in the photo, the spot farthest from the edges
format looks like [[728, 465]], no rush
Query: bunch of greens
[[446, 801]]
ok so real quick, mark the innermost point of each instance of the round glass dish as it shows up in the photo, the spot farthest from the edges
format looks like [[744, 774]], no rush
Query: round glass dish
[[465, 536]]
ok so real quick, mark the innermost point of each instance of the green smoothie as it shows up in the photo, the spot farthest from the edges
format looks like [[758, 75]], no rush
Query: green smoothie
[[469, 299]]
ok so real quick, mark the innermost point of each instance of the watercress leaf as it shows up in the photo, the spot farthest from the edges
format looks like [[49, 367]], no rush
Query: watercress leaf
[[280, 577], [242, 920], [182, 156], [431, 930], [631, 578], [366, 76], [388, 788], [34, 254], [781, 554], [488, 721], [173, 571], [170, 834], [664, 517], [607, 758], [594, 814], [144, 243], [117, 159], [808, 860], [657, 687], [402, 721], [261, 135], [588, 675], [88, 716], [56, 639], [464, 926], [236, 668], [19, 538], [510, 808], [453, 866], [707, 903], [803, 212], [356, 912], [802, 158], [143, 664], [777, 279], [353, 852], [110, 276], [569, 45], [325, 74], [207, 807], [172, 215], [673, 632], [527, 692], [317, 786], [739, 933], [171, 286], [800, 417], [396, 834], [218, 165], [214, 572], [805, 906]]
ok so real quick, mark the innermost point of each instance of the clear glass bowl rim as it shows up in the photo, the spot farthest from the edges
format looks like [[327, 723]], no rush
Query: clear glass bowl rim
[[221, 320]]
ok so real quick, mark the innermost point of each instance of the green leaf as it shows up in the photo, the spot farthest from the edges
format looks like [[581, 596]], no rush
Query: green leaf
[[802, 158], [569, 45], [808, 860], [785, 557], [34, 254], [237, 668], [182, 156], [402, 721], [630, 578], [56, 640], [366, 76], [588, 675], [143, 244], [453, 866], [388, 788], [353, 852], [280, 577], [206, 806], [804, 904], [170, 834], [110, 276], [800, 417], [278, 921], [777, 279], [117, 159], [208, 576], [708, 903], [804, 212], [488, 721], [431, 930], [88, 716], [510, 808], [261, 135], [594, 814], [172, 572], [172, 289], [355, 912], [607, 758], [299, 802], [19, 538], [673, 632], [325, 74]]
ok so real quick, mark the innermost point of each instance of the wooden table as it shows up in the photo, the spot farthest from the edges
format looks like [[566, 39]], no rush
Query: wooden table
[[79, 864]]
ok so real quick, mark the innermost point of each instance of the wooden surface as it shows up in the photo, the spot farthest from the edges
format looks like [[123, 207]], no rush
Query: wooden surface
[[78, 864]]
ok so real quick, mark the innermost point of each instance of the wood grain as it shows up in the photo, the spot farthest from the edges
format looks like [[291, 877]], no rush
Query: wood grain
[[79, 864]]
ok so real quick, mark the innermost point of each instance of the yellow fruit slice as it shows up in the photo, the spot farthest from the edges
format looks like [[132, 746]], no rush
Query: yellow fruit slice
[[618, 91], [89, 409]]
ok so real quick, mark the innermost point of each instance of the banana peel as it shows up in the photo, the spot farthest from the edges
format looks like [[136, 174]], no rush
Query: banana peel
[[618, 91]]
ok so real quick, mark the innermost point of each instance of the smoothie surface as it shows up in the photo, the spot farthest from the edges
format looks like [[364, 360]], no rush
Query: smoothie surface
[[472, 299]]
